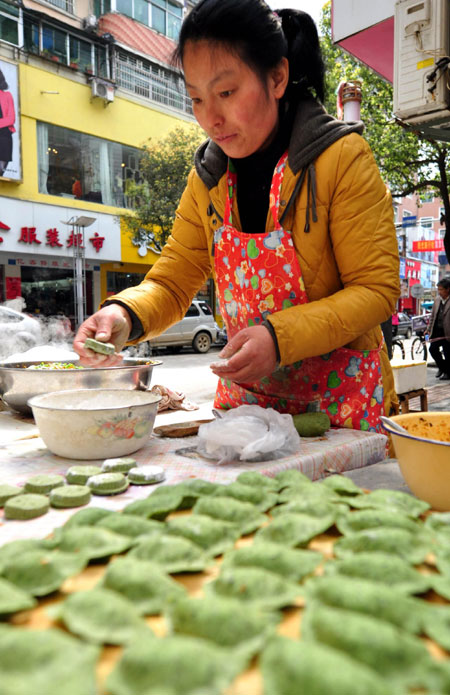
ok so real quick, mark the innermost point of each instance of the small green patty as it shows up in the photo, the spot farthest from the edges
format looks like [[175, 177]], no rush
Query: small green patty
[[118, 465], [43, 484], [78, 475], [26, 506], [107, 483], [8, 491], [70, 496], [146, 475]]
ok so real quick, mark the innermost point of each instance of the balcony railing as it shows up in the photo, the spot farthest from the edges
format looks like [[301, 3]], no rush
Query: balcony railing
[[67, 5], [151, 82]]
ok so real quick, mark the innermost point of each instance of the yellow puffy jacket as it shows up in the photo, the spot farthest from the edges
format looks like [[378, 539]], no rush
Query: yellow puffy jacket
[[349, 256]]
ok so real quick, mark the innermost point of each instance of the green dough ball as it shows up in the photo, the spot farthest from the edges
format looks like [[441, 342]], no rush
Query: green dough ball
[[311, 424], [78, 475], [42, 484], [107, 483], [118, 465], [9, 491], [70, 496], [98, 346], [26, 506]]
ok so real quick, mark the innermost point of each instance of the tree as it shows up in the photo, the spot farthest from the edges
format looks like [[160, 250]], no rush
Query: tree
[[408, 160], [164, 168]]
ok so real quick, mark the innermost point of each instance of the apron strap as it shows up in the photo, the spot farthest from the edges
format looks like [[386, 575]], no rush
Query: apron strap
[[295, 193]]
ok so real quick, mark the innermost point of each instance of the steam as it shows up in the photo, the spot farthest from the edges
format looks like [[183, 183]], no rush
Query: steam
[[37, 337]]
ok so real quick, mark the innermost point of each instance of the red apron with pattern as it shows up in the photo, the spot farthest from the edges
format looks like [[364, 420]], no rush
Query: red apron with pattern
[[259, 274]]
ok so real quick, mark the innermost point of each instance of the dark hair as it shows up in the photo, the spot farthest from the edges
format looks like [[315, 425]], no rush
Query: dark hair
[[3, 82], [261, 38], [445, 283]]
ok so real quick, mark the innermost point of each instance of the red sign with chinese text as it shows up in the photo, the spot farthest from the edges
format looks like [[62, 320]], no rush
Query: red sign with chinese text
[[431, 245]]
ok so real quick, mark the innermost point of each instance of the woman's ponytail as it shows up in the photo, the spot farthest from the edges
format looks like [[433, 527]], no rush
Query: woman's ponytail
[[306, 68]]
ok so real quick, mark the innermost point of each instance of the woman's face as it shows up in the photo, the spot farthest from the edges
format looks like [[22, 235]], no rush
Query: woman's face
[[229, 99]]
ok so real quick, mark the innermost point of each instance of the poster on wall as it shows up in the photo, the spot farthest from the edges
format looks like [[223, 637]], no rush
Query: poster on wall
[[10, 159]]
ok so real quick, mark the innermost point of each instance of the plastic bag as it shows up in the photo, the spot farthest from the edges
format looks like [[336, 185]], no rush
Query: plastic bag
[[248, 433]]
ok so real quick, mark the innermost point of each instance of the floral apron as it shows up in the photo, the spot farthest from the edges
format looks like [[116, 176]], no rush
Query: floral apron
[[259, 274]]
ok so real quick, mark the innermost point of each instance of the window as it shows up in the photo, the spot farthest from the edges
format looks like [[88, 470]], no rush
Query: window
[[441, 233], [66, 5], [63, 47], [102, 7], [192, 311], [9, 23], [426, 222], [151, 81], [426, 197], [75, 165], [161, 15]]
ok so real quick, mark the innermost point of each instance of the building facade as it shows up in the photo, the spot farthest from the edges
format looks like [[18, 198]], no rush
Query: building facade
[[90, 83]]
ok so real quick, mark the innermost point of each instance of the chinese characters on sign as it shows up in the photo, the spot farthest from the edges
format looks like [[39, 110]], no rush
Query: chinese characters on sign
[[431, 245], [29, 235]]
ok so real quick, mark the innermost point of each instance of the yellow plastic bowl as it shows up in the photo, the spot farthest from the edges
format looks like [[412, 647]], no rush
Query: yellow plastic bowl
[[423, 454]]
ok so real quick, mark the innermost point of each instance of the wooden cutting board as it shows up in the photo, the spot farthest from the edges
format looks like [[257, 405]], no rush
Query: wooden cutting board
[[179, 429]]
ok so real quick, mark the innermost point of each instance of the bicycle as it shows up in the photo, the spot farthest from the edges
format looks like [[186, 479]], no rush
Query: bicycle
[[419, 346], [398, 349]]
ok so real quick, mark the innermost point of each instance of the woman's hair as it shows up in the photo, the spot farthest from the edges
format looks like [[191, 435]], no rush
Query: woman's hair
[[3, 82], [261, 38]]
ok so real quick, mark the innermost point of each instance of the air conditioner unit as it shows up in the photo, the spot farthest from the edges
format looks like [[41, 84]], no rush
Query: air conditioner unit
[[90, 23], [421, 48], [102, 89]]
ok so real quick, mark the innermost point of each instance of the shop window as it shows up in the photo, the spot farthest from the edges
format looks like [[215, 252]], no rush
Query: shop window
[[116, 282], [9, 23], [75, 165]]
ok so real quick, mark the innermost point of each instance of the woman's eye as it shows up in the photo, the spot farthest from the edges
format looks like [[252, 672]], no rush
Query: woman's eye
[[195, 100], [227, 93]]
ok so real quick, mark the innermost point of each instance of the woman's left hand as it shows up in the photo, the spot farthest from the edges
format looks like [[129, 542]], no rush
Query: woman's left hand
[[248, 356]]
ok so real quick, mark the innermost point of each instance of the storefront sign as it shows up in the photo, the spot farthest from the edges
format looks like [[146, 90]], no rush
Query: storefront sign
[[13, 287], [431, 245], [27, 227]]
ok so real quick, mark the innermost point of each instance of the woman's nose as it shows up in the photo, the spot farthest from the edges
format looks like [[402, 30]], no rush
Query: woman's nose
[[213, 116]]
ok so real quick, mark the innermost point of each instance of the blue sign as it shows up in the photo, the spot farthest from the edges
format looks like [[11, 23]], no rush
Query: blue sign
[[402, 267], [442, 259], [409, 221]]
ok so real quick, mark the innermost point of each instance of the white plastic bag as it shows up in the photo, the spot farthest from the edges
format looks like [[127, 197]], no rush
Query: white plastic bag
[[248, 433]]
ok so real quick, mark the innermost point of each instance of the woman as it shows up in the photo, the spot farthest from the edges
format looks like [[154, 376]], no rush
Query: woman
[[7, 119], [286, 207]]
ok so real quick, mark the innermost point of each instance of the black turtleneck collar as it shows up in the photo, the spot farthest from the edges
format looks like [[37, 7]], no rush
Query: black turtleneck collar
[[254, 178]]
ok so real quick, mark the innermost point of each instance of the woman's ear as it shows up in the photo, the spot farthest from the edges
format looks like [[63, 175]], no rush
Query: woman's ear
[[279, 78]]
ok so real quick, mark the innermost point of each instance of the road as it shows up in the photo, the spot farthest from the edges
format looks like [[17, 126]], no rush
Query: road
[[187, 372]]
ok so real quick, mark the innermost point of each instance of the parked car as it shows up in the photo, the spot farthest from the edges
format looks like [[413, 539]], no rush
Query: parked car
[[405, 326], [19, 332], [222, 337], [197, 329]]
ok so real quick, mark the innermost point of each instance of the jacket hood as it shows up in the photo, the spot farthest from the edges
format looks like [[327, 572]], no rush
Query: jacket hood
[[313, 131]]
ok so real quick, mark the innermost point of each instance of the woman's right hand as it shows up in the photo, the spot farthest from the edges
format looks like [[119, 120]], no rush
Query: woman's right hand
[[112, 324]]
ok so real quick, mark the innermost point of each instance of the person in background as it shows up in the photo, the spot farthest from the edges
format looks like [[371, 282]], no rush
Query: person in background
[[395, 321], [439, 329], [286, 208], [7, 120]]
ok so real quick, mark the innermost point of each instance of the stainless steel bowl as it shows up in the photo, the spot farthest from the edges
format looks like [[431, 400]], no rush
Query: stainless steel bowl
[[18, 384]]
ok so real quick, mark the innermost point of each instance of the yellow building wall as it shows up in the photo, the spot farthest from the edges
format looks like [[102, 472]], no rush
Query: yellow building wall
[[71, 106]]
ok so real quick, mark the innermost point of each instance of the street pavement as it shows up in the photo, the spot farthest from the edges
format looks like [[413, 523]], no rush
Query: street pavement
[[189, 373]]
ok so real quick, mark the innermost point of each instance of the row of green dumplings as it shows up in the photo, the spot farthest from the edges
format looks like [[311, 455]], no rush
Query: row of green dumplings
[[363, 615]]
